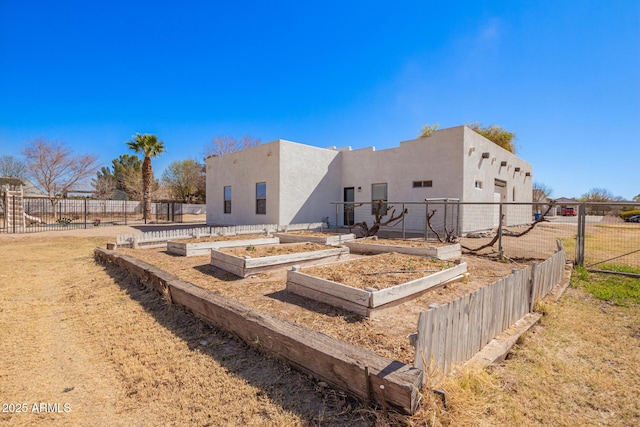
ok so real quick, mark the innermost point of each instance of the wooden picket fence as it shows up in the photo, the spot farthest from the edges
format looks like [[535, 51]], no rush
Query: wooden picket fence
[[452, 333], [159, 238]]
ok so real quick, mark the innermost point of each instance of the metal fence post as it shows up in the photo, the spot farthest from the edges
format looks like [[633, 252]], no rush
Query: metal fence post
[[13, 205], [500, 249], [426, 220], [458, 233], [85, 212], [580, 237], [403, 228], [444, 220]]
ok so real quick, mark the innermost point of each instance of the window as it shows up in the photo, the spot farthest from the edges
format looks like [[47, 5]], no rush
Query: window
[[478, 184], [422, 184], [379, 199], [261, 198], [227, 199]]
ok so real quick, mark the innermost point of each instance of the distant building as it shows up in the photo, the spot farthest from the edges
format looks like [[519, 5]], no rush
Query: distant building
[[283, 182], [564, 206]]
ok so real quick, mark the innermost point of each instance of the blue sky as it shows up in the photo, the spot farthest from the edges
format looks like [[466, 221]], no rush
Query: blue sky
[[563, 75]]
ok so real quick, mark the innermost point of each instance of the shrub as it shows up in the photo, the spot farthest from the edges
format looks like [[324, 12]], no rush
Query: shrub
[[627, 214]]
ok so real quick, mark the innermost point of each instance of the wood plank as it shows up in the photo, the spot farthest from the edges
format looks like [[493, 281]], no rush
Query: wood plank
[[436, 252], [204, 248], [325, 298], [384, 296], [475, 323], [294, 258], [333, 240], [336, 362], [449, 338], [382, 309], [487, 304], [355, 295], [441, 326], [424, 350], [535, 286]]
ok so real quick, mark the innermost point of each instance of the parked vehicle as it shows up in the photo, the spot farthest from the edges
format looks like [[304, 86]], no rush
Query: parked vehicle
[[635, 218], [568, 212]]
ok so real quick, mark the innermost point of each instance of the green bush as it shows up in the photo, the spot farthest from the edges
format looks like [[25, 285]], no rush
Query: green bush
[[625, 215]]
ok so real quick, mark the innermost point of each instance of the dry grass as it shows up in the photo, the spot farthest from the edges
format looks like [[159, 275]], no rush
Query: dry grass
[[380, 271], [387, 334], [620, 242], [561, 374], [75, 333]]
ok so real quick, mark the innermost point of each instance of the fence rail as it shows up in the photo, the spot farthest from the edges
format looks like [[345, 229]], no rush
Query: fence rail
[[20, 214], [154, 238], [452, 333]]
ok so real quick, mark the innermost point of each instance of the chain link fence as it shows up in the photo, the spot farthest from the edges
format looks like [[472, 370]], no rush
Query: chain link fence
[[593, 234]]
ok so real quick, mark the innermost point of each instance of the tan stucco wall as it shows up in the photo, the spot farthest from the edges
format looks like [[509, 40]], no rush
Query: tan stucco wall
[[302, 180], [242, 170]]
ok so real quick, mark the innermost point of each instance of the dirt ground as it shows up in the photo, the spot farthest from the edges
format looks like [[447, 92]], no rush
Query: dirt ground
[[387, 334], [81, 345]]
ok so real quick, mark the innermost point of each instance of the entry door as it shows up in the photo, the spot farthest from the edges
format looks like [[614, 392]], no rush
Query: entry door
[[348, 198], [499, 196]]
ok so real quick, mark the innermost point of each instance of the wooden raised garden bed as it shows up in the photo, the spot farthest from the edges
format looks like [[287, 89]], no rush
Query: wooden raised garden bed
[[367, 302], [362, 246], [247, 265], [322, 238], [204, 248]]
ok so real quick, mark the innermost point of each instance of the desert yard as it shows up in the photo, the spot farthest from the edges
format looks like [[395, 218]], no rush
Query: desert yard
[[84, 344]]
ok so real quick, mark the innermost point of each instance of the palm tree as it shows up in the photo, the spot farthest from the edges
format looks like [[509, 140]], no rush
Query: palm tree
[[150, 146]]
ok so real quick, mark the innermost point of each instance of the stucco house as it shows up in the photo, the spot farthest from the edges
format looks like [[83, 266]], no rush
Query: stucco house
[[283, 182]]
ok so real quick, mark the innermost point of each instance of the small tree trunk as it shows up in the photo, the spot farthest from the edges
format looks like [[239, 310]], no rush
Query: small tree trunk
[[147, 180]]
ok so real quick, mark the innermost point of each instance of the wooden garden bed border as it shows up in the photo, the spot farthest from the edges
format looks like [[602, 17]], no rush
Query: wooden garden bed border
[[359, 372], [245, 267], [204, 248], [369, 302], [332, 240], [440, 252]]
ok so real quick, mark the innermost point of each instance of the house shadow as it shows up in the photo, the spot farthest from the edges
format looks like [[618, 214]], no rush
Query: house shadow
[[290, 389]]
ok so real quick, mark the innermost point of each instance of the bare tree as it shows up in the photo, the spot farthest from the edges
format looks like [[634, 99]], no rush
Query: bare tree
[[104, 187], [511, 234], [381, 211], [185, 180], [54, 168], [221, 145], [541, 192], [11, 167]]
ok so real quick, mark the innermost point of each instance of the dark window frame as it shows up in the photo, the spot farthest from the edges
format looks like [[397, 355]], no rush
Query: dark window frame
[[261, 198], [227, 200], [423, 184], [378, 208]]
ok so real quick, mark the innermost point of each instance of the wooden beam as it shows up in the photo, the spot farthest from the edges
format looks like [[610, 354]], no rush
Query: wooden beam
[[329, 359]]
